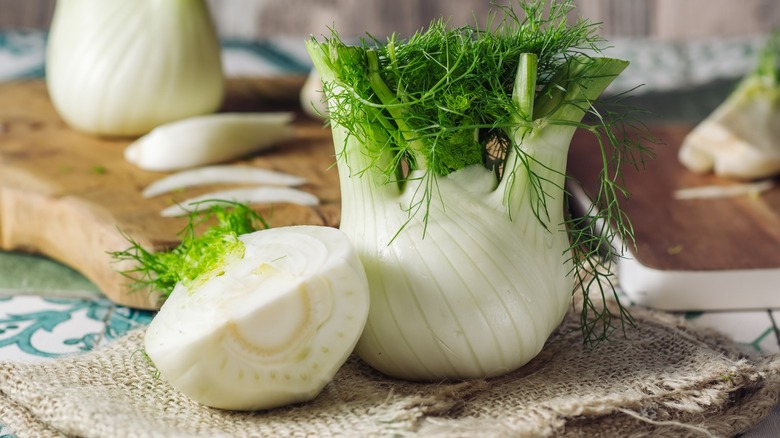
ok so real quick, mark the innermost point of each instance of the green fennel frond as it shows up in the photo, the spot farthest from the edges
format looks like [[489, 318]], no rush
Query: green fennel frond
[[446, 85], [601, 233], [769, 59], [197, 256]]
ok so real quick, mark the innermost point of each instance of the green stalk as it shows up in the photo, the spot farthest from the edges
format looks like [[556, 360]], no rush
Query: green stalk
[[575, 86], [362, 160], [524, 89], [538, 165], [393, 106], [537, 162], [768, 61]]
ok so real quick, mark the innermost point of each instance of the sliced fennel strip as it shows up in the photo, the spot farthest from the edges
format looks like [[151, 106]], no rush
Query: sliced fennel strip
[[728, 191], [225, 174], [249, 196], [209, 139]]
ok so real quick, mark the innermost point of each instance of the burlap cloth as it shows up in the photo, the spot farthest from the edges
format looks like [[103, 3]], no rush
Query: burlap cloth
[[663, 379]]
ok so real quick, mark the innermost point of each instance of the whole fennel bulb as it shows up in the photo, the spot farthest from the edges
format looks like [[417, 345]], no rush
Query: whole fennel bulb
[[123, 67], [452, 151]]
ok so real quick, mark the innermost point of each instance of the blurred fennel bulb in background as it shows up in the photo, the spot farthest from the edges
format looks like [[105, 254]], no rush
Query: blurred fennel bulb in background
[[123, 67]]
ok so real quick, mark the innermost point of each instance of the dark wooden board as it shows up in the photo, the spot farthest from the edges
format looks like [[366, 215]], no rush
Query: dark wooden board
[[737, 233], [70, 196]]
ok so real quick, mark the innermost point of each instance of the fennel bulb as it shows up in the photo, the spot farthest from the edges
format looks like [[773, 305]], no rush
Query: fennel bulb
[[255, 318], [452, 151], [268, 326], [478, 295], [123, 67], [740, 138]]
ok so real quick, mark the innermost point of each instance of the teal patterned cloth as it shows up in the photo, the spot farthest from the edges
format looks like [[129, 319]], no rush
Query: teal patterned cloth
[[48, 310], [46, 327]]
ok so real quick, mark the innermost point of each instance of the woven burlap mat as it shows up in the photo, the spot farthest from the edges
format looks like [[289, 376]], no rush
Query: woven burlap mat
[[663, 379]]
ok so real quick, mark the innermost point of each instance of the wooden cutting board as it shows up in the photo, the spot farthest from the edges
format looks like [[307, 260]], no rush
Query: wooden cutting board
[[699, 254], [71, 196]]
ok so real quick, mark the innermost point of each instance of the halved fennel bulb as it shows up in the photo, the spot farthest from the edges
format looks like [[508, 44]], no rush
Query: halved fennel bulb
[[120, 68], [271, 328]]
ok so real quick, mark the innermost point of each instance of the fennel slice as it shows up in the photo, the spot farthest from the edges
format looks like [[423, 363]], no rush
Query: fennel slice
[[729, 191], [209, 139], [250, 196], [224, 174]]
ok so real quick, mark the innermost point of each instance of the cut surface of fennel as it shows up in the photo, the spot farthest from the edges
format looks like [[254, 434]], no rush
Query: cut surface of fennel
[[268, 329]]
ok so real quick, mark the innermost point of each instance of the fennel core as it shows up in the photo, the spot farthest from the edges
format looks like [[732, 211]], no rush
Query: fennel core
[[455, 142]]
